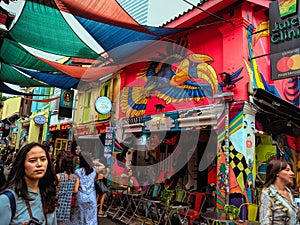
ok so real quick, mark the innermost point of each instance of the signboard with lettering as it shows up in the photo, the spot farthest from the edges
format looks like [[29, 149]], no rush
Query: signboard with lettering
[[109, 144], [284, 39], [160, 124], [39, 119], [103, 105]]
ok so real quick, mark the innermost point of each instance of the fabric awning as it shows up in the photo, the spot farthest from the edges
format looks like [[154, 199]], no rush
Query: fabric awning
[[76, 28], [65, 81], [12, 76], [44, 28], [6, 89], [13, 53], [275, 114]]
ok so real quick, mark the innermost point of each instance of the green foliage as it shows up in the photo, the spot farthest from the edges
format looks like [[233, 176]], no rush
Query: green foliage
[[3, 98], [166, 195], [231, 210]]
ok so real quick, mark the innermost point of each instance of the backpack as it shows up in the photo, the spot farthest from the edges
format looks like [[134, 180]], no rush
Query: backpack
[[12, 202]]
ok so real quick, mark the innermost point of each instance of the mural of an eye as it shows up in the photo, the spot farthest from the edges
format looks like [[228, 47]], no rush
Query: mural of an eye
[[253, 126], [245, 124]]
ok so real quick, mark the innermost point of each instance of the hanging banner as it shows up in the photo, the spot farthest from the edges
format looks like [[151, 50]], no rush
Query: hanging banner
[[66, 98], [66, 103]]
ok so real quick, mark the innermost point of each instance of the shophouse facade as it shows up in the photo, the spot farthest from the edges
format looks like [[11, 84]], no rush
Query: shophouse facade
[[90, 122], [10, 115], [206, 96], [229, 58]]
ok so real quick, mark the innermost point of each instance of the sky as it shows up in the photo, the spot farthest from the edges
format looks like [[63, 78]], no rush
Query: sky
[[161, 11]]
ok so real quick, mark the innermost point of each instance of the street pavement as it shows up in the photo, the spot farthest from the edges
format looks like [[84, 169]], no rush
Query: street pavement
[[108, 221]]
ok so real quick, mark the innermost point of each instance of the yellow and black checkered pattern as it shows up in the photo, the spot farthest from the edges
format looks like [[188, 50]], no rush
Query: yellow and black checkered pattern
[[238, 164]]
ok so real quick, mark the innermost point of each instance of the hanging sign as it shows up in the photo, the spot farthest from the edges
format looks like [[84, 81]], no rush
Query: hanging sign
[[103, 105], [108, 145], [284, 39], [40, 120], [66, 98], [160, 124], [66, 103]]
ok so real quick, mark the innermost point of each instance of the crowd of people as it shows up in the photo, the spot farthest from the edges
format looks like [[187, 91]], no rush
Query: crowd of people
[[43, 191], [8, 156], [50, 192]]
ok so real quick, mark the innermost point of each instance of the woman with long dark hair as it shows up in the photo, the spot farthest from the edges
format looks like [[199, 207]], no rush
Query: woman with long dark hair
[[277, 203], [85, 208], [33, 183]]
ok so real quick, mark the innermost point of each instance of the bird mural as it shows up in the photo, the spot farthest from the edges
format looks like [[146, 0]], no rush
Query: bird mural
[[193, 79], [229, 80]]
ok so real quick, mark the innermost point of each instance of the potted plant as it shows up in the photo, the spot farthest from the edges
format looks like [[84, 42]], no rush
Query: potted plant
[[231, 211], [166, 196]]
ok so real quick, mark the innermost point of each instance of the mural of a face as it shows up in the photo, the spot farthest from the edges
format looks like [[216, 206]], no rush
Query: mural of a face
[[249, 128], [249, 143]]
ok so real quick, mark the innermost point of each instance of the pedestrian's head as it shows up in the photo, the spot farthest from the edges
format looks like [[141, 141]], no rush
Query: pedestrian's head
[[86, 162], [32, 163], [75, 148], [279, 171], [67, 165]]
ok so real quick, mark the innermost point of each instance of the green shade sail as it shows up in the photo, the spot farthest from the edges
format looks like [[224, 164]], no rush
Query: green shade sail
[[12, 76], [13, 53], [38, 20]]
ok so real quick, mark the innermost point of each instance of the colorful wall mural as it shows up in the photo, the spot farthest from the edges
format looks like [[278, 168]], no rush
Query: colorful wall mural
[[241, 158], [176, 79]]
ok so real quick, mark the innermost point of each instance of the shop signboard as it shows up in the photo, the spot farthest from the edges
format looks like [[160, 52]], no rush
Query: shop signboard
[[160, 124], [40, 120], [109, 144], [284, 39], [103, 105]]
